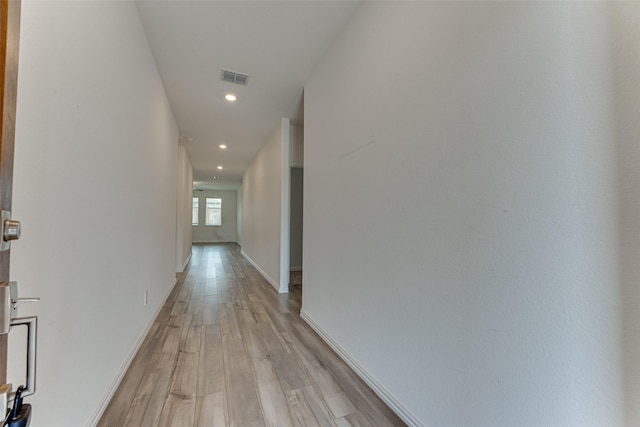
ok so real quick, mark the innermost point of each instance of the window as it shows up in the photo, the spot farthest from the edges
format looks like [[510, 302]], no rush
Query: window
[[194, 212], [213, 212]]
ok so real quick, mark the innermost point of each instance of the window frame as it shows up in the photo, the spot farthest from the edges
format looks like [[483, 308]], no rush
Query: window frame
[[195, 205], [206, 211]]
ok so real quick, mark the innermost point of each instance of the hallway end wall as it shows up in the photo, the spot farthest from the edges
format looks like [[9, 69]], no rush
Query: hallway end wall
[[216, 234]]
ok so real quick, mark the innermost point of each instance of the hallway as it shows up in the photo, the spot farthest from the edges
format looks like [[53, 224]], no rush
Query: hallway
[[226, 349]]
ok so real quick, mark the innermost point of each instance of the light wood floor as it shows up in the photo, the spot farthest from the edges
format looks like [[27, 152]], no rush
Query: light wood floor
[[295, 278], [227, 350]]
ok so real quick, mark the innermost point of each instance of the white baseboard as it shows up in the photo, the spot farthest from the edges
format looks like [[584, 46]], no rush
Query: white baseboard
[[104, 402], [264, 274], [375, 385], [184, 265]]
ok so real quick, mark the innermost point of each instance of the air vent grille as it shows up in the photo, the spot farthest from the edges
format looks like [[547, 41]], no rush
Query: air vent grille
[[234, 77]]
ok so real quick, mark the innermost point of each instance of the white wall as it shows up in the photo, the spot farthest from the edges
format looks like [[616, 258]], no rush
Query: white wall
[[239, 217], [461, 210], [183, 212], [214, 234], [626, 28], [95, 188], [265, 223]]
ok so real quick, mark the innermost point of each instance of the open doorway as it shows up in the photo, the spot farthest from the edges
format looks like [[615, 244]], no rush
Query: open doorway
[[295, 225]]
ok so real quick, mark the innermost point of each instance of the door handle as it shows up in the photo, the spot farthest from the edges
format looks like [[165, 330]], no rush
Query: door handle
[[9, 303], [15, 302]]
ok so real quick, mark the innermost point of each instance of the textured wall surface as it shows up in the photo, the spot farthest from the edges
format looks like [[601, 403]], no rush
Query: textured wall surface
[[95, 187], [462, 214], [261, 208]]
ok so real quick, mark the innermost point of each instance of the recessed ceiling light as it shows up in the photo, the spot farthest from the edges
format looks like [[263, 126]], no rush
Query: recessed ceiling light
[[230, 97], [222, 146], [219, 167]]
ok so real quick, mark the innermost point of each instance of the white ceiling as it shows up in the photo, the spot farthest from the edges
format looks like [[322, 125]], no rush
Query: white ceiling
[[278, 43]]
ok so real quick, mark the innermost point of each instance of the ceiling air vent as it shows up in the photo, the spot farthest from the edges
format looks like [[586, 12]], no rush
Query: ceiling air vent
[[234, 77]]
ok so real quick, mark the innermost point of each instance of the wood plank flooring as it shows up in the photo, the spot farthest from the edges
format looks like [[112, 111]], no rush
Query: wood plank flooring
[[227, 350]]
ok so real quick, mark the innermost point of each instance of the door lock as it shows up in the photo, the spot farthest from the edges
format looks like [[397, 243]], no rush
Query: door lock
[[9, 229], [12, 230]]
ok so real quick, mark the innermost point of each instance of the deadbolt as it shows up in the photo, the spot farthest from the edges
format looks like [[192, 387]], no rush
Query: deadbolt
[[10, 230]]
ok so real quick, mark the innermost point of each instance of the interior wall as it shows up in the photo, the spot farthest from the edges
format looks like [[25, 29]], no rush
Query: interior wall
[[183, 221], [95, 188], [285, 204], [296, 156], [227, 232], [263, 199], [295, 238], [467, 214], [626, 27], [239, 216]]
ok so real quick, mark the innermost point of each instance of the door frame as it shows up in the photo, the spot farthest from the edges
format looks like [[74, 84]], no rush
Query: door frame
[[9, 45]]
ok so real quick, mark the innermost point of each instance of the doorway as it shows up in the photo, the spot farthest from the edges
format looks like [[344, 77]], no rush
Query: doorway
[[295, 226]]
